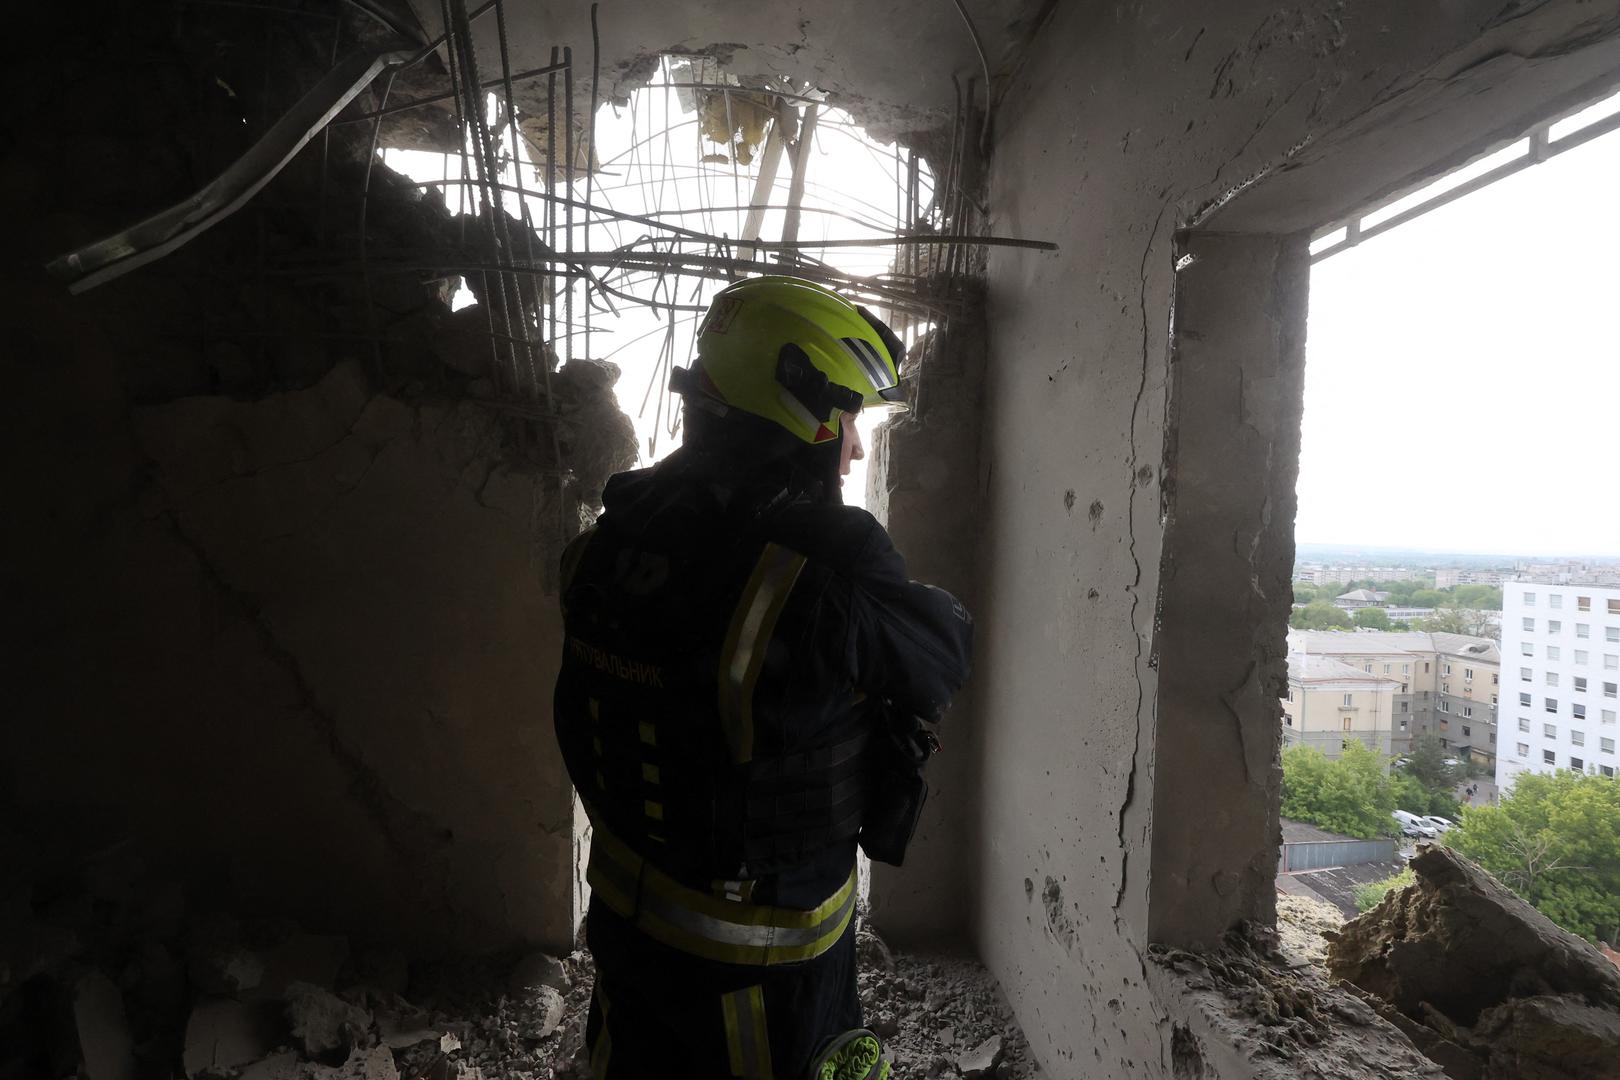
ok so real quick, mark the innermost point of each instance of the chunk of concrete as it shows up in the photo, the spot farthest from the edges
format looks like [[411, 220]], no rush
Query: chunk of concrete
[[539, 1013], [227, 1034], [323, 1025], [538, 969], [1463, 957], [106, 1050], [217, 961], [282, 1066], [1550, 1038], [981, 1061]]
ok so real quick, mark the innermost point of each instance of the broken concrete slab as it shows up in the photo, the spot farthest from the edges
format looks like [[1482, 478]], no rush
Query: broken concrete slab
[[1471, 967], [323, 1025], [282, 1066], [226, 1034], [106, 1050], [1461, 942]]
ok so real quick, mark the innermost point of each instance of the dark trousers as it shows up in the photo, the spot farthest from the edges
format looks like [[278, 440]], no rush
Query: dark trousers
[[658, 1012]]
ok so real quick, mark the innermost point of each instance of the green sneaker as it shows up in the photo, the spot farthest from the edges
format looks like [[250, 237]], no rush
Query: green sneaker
[[854, 1055]]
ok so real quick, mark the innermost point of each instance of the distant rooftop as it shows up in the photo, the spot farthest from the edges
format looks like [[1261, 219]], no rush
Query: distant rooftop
[[1313, 668], [1391, 643]]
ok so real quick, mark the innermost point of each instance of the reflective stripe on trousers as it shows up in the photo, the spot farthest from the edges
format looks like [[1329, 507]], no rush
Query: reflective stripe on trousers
[[747, 1041], [705, 926]]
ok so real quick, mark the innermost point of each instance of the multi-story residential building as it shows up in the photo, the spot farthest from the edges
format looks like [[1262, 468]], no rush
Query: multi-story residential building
[[1330, 702], [1445, 579], [1445, 684], [1561, 644]]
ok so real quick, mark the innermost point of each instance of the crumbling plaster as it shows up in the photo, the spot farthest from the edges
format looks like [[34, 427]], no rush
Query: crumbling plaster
[[1128, 124]]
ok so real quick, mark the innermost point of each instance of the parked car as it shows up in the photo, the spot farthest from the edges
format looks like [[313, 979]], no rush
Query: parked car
[[1414, 826], [1441, 823]]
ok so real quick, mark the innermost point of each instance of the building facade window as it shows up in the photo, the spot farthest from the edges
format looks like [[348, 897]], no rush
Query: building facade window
[[1523, 749], [1554, 626], [1554, 653], [1549, 758], [1445, 706], [1579, 711], [1580, 684], [1608, 716], [1610, 690], [1552, 678], [1529, 625], [1576, 764], [1611, 661], [1529, 599], [1606, 745], [1347, 723], [1524, 699], [1550, 704], [1614, 607], [1468, 732], [1577, 738], [1611, 633], [1582, 657], [1524, 723], [1555, 600], [1549, 731], [1526, 674], [1526, 649], [1468, 711], [1607, 770], [1583, 603], [1583, 629]]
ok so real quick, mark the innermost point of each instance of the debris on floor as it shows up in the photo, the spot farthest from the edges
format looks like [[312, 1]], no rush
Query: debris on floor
[[1481, 981], [1301, 922], [117, 985]]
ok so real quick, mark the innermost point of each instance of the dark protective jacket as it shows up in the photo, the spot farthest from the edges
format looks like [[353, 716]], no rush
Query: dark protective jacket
[[730, 651]]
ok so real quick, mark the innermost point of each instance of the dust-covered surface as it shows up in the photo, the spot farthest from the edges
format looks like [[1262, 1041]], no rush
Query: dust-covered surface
[[1301, 922], [1278, 1015], [1482, 981], [109, 974]]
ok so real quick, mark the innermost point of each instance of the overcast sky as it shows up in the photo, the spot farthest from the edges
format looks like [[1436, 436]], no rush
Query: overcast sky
[[1462, 384]]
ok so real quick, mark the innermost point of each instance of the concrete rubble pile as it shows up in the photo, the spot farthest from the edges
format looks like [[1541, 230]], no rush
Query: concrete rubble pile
[[1481, 982], [107, 974], [940, 1017]]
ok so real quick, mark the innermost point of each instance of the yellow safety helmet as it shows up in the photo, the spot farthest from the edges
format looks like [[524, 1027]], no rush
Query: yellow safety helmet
[[794, 353]]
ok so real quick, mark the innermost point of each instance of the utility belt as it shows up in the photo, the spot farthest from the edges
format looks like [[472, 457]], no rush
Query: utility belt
[[726, 931]]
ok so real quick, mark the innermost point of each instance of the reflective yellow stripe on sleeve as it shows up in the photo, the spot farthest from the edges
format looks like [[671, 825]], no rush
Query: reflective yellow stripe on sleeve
[[743, 654], [747, 1041], [704, 925]]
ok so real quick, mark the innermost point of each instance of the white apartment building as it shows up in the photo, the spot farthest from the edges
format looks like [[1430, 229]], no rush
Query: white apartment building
[[1560, 692], [1446, 579]]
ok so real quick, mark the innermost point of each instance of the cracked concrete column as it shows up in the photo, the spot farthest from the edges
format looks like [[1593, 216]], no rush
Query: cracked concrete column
[[1232, 456]]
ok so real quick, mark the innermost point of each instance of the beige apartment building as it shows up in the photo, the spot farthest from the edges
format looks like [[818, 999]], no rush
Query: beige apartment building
[[1445, 684], [1330, 702]]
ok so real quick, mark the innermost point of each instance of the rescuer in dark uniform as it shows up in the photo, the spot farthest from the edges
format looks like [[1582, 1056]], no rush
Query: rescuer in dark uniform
[[748, 690]]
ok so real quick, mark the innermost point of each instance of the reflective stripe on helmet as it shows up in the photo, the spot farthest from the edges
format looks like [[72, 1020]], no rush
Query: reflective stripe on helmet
[[699, 924]]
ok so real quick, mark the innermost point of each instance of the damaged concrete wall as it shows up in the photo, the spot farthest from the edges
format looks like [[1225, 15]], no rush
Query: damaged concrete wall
[[923, 460], [277, 582], [1126, 124]]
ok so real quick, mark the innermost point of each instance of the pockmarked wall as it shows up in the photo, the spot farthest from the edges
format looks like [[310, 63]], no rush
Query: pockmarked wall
[[1127, 125]]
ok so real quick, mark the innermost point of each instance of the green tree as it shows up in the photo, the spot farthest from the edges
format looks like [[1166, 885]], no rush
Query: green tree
[[1320, 615], [1426, 763], [1350, 794], [1479, 597], [1368, 895], [1399, 624], [1457, 620], [1429, 598], [1373, 618], [1555, 840]]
